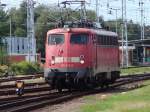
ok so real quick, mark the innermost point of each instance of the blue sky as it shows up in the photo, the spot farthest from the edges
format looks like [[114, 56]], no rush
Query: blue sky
[[132, 7]]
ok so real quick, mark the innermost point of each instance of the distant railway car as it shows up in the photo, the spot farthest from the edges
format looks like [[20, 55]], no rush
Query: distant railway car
[[78, 57]]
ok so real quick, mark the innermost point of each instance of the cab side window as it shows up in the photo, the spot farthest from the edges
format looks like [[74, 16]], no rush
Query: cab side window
[[79, 39], [55, 39]]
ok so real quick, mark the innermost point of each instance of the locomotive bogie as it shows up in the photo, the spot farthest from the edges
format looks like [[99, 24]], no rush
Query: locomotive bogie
[[66, 76], [75, 78]]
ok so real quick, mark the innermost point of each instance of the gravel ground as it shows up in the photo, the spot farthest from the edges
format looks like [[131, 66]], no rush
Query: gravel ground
[[70, 106]]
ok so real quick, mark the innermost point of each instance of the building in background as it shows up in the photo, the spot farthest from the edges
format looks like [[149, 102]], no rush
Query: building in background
[[139, 53], [130, 55], [17, 49]]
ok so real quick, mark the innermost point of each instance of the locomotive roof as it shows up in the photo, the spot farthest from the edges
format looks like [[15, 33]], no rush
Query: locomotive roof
[[83, 30]]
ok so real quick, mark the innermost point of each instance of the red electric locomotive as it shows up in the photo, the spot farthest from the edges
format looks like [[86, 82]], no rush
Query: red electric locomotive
[[77, 57]]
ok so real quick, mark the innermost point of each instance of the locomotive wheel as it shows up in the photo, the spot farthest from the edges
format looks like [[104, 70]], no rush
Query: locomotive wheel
[[76, 83], [107, 86], [102, 86], [59, 85], [82, 84], [70, 89], [60, 90]]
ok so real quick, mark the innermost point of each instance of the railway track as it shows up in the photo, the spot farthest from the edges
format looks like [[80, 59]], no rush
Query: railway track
[[130, 78], [37, 75], [28, 101], [12, 91], [135, 75], [37, 102], [14, 98], [37, 87], [26, 85], [9, 89], [34, 102]]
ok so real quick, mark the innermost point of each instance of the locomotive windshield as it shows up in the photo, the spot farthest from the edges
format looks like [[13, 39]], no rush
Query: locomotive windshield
[[79, 39], [55, 39]]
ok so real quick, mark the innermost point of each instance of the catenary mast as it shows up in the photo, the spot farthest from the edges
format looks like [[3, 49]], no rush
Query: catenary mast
[[31, 31]]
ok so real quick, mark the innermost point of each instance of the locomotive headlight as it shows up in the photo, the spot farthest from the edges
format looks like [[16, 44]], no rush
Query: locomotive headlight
[[52, 62], [82, 61], [68, 29]]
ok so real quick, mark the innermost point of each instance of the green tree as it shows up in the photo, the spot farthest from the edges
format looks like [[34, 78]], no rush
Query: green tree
[[133, 28], [19, 32], [41, 27], [4, 25], [19, 18]]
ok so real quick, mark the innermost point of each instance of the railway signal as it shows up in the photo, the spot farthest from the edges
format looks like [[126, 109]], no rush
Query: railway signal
[[19, 88]]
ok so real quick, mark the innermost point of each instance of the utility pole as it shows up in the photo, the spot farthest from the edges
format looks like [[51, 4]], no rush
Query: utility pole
[[124, 33], [83, 10], [107, 4], [116, 10], [141, 4], [3, 60], [31, 31], [10, 34], [122, 27], [97, 12]]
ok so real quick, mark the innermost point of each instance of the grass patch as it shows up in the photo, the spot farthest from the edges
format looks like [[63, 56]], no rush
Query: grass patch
[[97, 107], [132, 101], [137, 70]]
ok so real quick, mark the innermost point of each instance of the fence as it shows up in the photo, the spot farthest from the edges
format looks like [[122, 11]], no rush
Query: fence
[[19, 46]]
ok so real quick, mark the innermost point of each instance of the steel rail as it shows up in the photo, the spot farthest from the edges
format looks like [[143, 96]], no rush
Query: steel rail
[[26, 90], [28, 101], [37, 75], [26, 85]]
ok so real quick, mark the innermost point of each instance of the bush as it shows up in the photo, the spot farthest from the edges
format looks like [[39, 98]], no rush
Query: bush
[[22, 68], [3, 70]]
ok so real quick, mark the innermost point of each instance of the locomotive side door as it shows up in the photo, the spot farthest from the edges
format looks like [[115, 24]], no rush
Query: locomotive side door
[[94, 53]]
